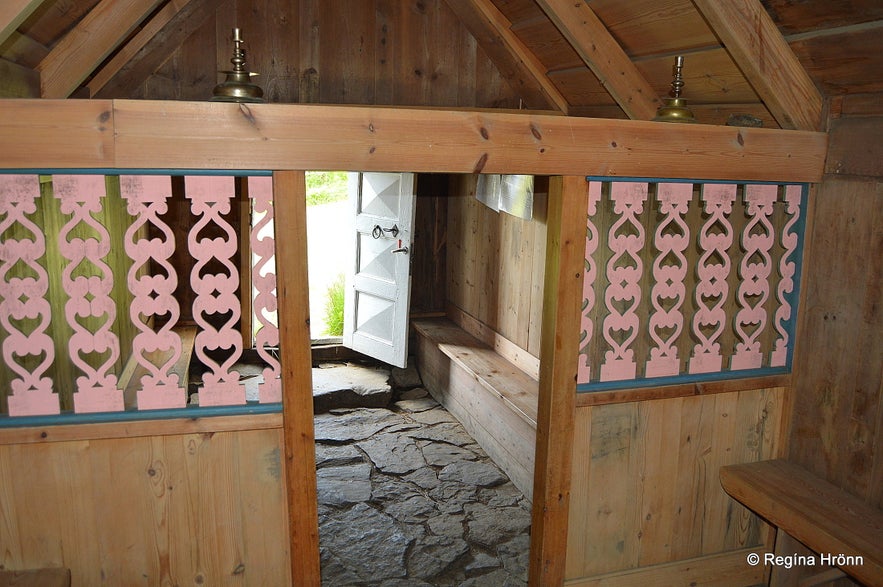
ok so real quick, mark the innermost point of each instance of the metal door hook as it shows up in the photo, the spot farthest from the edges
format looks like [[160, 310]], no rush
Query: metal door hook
[[379, 231]]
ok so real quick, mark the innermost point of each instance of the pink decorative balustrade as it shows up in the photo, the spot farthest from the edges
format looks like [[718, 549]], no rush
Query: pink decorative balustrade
[[698, 280], [58, 314]]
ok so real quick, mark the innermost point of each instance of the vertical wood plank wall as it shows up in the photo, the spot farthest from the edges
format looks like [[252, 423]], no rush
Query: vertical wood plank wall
[[406, 53], [837, 425], [496, 265], [646, 493], [206, 509]]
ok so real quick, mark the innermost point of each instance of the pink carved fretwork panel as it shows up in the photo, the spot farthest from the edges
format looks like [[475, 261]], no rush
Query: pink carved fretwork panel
[[152, 281], [216, 308], [624, 271], [88, 282], [787, 269], [23, 297], [754, 276], [715, 239], [669, 272], [260, 190], [584, 372]]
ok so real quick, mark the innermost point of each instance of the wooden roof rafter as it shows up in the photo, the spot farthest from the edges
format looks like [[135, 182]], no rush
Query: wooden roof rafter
[[754, 42], [604, 56], [135, 44], [79, 52], [493, 32], [13, 13]]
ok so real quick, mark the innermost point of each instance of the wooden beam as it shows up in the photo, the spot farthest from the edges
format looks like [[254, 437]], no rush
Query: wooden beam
[[517, 64], [755, 44], [135, 44], [605, 57], [56, 133], [13, 13], [171, 134], [562, 297], [80, 51], [289, 200]]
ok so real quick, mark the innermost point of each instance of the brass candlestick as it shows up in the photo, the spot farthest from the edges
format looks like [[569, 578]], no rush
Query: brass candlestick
[[675, 108], [238, 87]]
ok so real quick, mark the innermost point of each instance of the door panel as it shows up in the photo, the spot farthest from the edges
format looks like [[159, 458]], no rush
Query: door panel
[[378, 283]]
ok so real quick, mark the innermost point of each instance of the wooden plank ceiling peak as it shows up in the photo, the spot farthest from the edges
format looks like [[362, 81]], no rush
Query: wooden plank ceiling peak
[[754, 42], [604, 56], [493, 32], [81, 50]]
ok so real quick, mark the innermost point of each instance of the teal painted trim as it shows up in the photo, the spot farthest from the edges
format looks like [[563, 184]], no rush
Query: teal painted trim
[[191, 412], [679, 379], [686, 180]]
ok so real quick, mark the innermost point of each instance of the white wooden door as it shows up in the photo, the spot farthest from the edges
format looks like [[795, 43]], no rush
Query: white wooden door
[[379, 277]]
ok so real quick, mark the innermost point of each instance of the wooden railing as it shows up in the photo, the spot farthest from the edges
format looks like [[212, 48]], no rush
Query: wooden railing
[[88, 290], [686, 281]]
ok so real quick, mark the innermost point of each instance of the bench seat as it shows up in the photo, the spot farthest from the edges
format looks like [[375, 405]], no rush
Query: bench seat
[[819, 514], [494, 400]]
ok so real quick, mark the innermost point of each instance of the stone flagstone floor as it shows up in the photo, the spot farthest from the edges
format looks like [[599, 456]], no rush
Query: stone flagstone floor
[[407, 498]]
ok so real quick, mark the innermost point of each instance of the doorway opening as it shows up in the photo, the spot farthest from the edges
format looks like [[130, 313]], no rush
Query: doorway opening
[[329, 225]]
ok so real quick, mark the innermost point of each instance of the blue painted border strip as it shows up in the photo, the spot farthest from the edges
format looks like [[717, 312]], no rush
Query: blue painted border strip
[[192, 412], [679, 379], [686, 180]]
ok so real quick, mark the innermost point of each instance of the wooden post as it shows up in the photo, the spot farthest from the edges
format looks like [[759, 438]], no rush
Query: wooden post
[[565, 242], [289, 195]]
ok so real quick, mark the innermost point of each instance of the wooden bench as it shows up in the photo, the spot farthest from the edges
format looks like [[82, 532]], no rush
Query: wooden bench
[[494, 400], [819, 514], [57, 577]]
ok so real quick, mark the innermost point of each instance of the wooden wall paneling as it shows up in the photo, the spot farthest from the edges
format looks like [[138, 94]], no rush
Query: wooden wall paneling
[[190, 72], [565, 246], [429, 274], [844, 155], [289, 198], [538, 267], [196, 508], [837, 413], [268, 28], [346, 52], [645, 490]]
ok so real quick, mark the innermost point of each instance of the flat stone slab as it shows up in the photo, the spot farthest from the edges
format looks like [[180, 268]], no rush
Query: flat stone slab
[[350, 386]]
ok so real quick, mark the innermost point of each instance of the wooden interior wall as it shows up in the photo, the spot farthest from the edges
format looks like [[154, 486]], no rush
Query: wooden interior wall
[[204, 509], [413, 53], [837, 425], [837, 429], [645, 492], [496, 265]]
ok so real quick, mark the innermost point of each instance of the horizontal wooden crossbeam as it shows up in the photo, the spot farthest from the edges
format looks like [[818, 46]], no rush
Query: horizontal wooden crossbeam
[[132, 134]]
